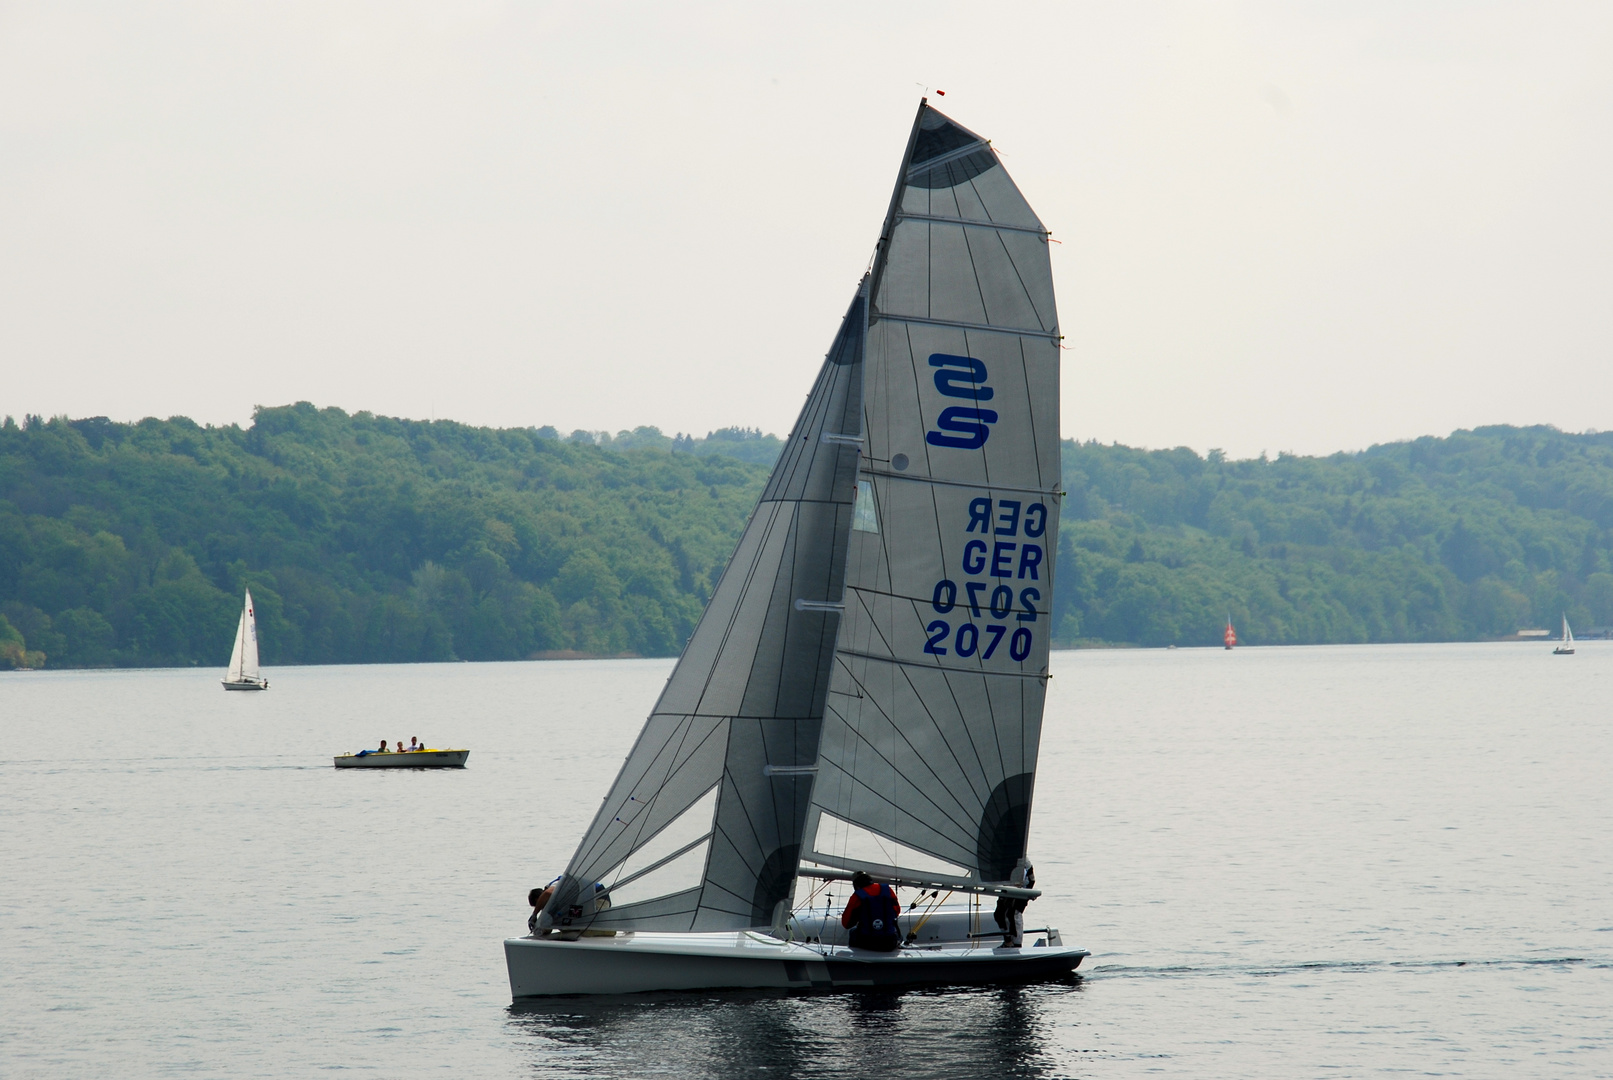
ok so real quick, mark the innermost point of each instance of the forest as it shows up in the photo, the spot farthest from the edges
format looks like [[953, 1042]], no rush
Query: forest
[[366, 539], [1468, 537]]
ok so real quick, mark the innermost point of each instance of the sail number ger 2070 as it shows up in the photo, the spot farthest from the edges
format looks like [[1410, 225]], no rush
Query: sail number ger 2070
[[1006, 565]]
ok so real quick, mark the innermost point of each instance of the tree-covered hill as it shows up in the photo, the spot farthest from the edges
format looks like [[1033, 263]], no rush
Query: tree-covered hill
[[362, 538], [371, 539], [1461, 538]]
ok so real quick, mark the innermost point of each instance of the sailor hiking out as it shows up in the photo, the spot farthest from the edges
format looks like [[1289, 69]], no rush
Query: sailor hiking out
[[871, 913]]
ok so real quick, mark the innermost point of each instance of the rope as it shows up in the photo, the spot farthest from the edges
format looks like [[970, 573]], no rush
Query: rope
[[933, 908]]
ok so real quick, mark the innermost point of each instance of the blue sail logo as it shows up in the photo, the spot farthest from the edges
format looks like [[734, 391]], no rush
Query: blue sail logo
[[962, 427]]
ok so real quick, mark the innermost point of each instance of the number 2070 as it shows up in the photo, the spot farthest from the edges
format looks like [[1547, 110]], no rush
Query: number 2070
[[969, 640]]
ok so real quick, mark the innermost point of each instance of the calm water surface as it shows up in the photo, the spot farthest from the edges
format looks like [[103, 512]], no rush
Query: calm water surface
[[1353, 861]]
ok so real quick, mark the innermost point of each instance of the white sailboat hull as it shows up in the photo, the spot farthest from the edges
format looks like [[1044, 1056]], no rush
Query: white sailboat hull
[[247, 684], [637, 963]]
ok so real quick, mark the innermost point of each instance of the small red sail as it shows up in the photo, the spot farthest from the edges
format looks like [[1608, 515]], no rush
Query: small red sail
[[1230, 637]]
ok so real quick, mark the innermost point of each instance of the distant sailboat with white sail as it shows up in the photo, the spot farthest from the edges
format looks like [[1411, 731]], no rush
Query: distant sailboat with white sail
[[244, 673], [865, 689], [1566, 646]]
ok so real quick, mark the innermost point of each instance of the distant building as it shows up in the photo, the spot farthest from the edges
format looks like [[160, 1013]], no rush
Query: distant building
[[1534, 633]]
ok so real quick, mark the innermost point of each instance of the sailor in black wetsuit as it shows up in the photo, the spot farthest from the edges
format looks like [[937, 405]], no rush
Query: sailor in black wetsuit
[[1010, 913], [870, 915]]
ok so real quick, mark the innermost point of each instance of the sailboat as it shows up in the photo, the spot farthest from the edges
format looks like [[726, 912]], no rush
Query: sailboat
[[1566, 646], [1230, 638], [244, 673], [864, 690]]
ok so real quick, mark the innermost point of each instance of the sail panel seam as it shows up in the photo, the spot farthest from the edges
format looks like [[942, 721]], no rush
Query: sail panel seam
[[878, 796], [962, 769]]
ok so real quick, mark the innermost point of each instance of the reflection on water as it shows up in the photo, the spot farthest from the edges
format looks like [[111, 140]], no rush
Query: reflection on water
[[978, 1032]]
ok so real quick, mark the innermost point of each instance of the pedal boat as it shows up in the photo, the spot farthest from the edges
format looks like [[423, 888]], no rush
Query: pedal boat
[[408, 759]]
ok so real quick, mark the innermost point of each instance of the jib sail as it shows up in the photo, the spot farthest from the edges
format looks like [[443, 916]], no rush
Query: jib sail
[[702, 828]]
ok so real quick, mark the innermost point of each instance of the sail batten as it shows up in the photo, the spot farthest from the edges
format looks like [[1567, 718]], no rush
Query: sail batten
[[921, 320]]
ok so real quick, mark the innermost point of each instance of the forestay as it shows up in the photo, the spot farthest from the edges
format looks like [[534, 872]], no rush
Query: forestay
[[929, 742], [702, 828]]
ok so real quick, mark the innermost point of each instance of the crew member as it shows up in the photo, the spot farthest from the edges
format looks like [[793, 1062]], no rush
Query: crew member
[[870, 915], [1010, 913], [539, 899]]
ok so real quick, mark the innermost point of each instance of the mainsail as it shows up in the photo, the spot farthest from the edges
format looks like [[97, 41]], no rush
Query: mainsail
[[928, 753], [865, 687], [702, 828], [244, 656]]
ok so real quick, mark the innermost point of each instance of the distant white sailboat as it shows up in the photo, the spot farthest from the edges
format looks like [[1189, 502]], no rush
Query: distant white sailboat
[[864, 691], [1566, 646], [244, 673]]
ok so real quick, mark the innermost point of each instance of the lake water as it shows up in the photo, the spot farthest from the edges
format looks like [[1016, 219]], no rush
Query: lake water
[[1341, 862]]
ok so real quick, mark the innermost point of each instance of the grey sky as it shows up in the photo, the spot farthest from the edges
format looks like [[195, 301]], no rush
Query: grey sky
[[1300, 227]]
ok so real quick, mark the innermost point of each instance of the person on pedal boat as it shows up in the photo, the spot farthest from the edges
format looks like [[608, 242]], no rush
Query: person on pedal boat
[[871, 913]]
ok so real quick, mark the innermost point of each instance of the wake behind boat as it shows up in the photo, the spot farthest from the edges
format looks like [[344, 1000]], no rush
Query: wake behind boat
[[864, 691], [406, 759], [244, 673]]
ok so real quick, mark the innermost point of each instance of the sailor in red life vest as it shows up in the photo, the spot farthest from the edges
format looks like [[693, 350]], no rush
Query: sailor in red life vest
[[870, 915]]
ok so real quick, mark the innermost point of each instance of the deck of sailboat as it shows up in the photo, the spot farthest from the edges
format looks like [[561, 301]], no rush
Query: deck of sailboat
[[631, 963]]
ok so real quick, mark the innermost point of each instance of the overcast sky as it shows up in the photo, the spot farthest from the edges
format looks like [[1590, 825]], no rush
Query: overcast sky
[[1301, 227]]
